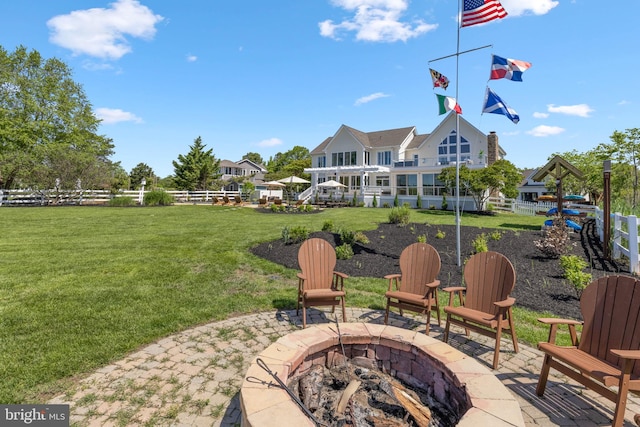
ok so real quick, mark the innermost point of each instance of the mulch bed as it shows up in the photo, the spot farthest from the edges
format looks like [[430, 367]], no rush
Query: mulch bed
[[540, 285]]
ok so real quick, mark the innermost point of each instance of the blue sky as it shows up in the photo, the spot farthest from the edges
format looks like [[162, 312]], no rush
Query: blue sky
[[265, 76]]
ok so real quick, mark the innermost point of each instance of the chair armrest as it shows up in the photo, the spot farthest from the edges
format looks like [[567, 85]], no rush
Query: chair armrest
[[455, 290], [302, 276], [342, 275], [338, 280], [392, 276], [505, 303], [626, 354], [554, 322], [433, 285]]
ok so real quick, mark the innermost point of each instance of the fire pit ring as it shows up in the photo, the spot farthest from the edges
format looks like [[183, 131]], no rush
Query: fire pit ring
[[466, 384]]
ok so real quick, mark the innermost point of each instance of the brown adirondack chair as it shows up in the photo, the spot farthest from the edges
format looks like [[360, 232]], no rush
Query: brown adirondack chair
[[609, 346], [416, 288], [318, 283], [237, 201], [226, 200], [486, 306], [262, 203]]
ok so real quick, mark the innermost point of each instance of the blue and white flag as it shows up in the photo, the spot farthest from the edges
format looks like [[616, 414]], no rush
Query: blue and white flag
[[494, 104]]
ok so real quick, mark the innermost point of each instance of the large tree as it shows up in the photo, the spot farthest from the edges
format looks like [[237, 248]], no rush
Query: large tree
[[47, 127], [197, 169], [500, 177], [139, 172], [254, 157], [625, 150], [292, 162]]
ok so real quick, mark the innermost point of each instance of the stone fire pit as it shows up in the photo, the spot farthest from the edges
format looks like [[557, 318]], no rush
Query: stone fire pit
[[455, 379]]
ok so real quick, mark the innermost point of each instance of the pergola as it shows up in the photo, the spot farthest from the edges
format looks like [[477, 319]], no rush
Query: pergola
[[558, 168]]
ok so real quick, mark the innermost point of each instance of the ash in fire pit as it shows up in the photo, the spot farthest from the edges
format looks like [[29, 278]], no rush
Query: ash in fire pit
[[362, 396]]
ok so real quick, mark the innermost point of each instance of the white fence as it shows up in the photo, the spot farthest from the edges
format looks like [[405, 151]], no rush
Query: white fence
[[30, 197], [624, 237]]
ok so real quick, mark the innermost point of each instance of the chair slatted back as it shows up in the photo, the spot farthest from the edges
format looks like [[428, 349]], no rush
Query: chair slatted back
[[610, 309], [317, 260], [419, 265], [489, 277]]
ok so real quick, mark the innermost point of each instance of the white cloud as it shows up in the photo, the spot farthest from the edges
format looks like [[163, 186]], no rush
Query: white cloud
[[271, 142], [580, 110], [540, 115], [101, 32], [544, 131], [115, 115], [376, 21], [523, 7], [369, 98], [191, 58], [624, 102]]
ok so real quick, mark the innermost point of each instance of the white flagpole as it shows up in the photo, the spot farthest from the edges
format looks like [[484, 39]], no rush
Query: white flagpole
[[457, 207]]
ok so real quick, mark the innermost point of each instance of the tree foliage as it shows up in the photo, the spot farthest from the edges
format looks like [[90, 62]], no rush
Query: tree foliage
[[139, 172], [624, 151], [292, 162], [254, 157], [47, 127], [197, 169], [500, 177]]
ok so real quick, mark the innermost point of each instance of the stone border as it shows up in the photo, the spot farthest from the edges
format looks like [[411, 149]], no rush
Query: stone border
[[488, 400]]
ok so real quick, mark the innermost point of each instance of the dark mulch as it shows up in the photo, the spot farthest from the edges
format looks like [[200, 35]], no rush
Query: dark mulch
[[539, 282]]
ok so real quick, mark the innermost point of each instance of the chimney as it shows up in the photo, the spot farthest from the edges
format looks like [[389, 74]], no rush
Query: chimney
[[492, 148]]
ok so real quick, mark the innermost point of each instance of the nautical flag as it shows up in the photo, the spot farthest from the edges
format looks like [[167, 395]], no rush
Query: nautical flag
[[439, 80], [447, 103], [507, 68], [480, 11], [494, 104]]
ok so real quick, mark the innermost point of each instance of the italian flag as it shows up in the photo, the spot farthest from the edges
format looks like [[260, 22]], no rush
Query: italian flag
[[447, 103]]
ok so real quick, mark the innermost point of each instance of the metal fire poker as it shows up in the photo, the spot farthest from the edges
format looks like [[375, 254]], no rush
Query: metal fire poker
[[295, 398]]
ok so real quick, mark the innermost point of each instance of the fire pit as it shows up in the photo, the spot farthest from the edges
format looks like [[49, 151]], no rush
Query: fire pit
[[454, 380]]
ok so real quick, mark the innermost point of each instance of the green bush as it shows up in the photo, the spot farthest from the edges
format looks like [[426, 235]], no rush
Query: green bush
[[296, 234], [375, 201], [419, 202], [573, 266], [360, 237], [158, 198], [347, 236], [422, 238], [399, 215], [440, 234], [344, 251], [327, 225], [480, 243], [496, 235], [122, 201], [445, 205], [396, 202], [386, 205]]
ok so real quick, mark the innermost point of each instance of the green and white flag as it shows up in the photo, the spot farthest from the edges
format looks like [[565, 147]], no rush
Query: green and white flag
[[447, 103]]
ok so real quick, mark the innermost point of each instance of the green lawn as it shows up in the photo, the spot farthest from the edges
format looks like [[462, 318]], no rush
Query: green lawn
[[83, 286]]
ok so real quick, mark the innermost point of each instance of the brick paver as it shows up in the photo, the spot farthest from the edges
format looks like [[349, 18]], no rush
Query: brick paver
[[193, 378]]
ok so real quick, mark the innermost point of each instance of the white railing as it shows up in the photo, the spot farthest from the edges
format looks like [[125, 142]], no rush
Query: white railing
[[624, 232]]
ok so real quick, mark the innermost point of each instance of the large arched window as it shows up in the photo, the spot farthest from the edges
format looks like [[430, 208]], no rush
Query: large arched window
[[447, 149]]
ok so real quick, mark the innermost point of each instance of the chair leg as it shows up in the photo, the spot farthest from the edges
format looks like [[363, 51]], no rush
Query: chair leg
[[428, 318], [344, 311], [446, 329], [304, 316], [437, 307], [621, 403], [496, 352], [512, 328], [386, 313], [544, 374]]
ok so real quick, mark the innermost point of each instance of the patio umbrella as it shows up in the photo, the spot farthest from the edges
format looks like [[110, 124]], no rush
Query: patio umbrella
[[274, 184], [331, 183], [293, 180]]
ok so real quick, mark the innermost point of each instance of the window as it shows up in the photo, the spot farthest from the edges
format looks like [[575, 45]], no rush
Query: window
[[407, 185], [367, 158], [355, 182], [382, 181], [350, 158], [322, 161], [431, 185], [447, 149], [384, 157]]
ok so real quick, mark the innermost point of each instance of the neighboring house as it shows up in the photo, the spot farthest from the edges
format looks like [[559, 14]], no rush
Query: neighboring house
[[529, 189], [401, 161], [245, 168]]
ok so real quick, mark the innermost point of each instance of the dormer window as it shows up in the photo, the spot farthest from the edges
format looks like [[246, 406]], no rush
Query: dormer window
[[447, 149]]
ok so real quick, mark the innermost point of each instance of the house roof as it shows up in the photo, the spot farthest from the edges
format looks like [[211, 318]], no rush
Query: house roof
[[376, 139]]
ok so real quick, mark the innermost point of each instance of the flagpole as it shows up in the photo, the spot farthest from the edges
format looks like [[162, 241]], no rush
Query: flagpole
[[458, 249]]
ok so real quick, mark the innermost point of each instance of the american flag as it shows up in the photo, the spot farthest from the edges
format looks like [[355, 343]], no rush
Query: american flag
[[479, 11]]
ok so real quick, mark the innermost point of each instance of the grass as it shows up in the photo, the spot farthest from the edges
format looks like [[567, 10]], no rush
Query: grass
[[83, 286]]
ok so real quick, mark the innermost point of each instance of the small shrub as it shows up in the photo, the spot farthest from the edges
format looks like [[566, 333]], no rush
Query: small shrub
[[573, 266], [158, 198], [327, 225], [360, 237], [495, 235], [419, 202], [432, 207], [396, 202], [347, 237], [344, 251], [440, 234], [375, 201], [555, 240], [277, 208], [399, 215], [295, 234], [354, 201], [122, 201], [480, 243], [444, 205], [386, 205], [422, 238]]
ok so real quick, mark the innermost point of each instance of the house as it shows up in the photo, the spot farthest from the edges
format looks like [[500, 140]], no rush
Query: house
[[245, 168], [529, 189], [401, 161]]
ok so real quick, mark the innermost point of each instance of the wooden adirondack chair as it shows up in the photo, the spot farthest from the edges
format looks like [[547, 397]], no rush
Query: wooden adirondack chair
[[262, 203], [416, 288], [226, 200], [609, 345], [237, 201], [486, 306], [318, 283]]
